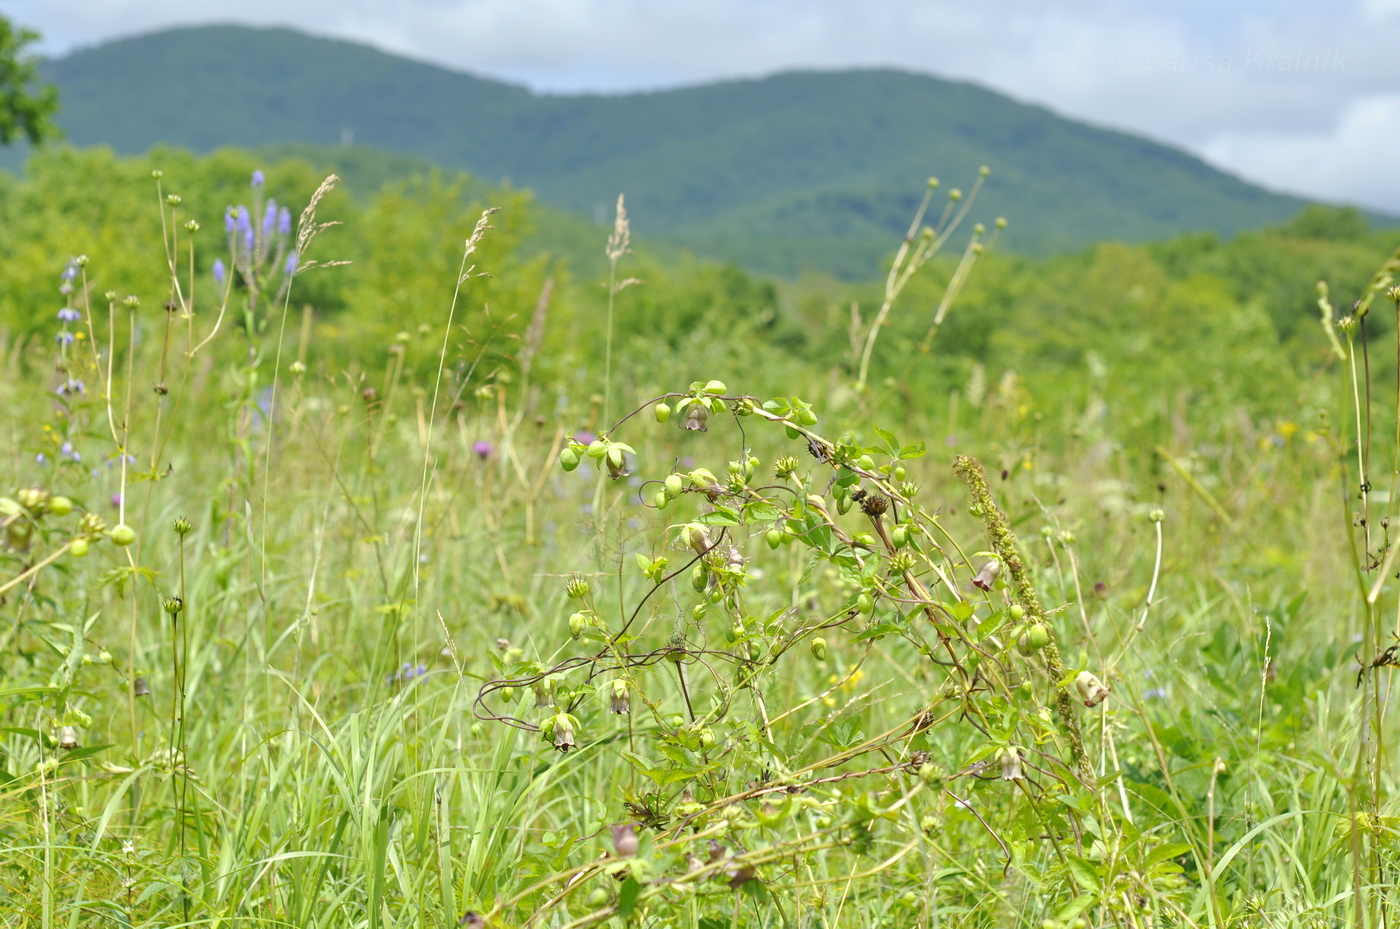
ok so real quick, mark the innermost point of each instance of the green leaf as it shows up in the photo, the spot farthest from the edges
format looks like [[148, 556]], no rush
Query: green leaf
[[989, 625], [1076, 906], [890, 442], [1086, 875], [643, 562], [761, 511], [1164, 852], [722, 516], [627, 897]]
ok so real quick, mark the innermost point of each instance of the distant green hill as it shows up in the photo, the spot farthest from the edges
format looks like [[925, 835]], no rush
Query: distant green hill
[[799, 170]]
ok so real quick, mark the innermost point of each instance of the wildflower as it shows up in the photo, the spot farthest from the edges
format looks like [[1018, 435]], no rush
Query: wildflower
[[67, 737], [269, 221], [559, 729], [69, 452], [41, 458], [1011, 764], [291, 266], [987, 575], [284, 221], [116, 501], [625, 843], [71, 386], [220, 272], [258, 178], [69, 315], [483, 449], [230, 219], [1091, 690], [585, 438], [64, 338], [620, 702], [695, 416]]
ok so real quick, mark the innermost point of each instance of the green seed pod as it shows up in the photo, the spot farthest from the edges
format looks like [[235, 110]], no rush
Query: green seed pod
[[807, 417], [865, 603], [578, 622], [1034, 639], [755, 651], [700, 577], [707, 738], [661, 500], [60, 506], [715, 387], [597, 448], [675, 484], [900, 536], [900, 473], [568, 459], [698, 611], [818, 648], [122, 534], [774, 538], [865, 463], [598, 898], [78, 547], [1018, 612], [662, 411]]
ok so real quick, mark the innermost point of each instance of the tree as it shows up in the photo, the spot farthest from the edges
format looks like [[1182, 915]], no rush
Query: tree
[[26, 106]]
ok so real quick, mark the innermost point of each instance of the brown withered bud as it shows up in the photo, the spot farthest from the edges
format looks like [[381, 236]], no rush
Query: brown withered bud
[[369, 395], [140, 687], [987, 575], [67, 737]]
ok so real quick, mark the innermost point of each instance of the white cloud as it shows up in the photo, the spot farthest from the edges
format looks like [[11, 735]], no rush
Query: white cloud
[[1353, 161]]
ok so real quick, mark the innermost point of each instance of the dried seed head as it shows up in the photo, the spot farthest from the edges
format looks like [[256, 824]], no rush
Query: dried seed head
[[875, 505]]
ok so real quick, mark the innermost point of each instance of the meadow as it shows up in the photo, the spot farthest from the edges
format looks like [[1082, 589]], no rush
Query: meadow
[[369, 564]]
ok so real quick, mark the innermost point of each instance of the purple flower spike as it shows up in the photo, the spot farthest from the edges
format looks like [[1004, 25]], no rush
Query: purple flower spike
[[284, 222], [483, 449], [249, 242], [70, 271], [220, 272], [258, 179], [269, 218], [240, 219], [69, 315], [291, 266], [230, 220], [64, 338]]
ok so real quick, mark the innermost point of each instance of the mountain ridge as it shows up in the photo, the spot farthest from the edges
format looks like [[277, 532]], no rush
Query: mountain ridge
[[811, 168]]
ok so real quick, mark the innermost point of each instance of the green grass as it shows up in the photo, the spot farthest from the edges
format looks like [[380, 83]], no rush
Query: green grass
[[341, 729]]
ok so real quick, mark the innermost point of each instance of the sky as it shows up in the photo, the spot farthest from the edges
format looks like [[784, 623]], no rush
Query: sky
[[1302, 97]]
